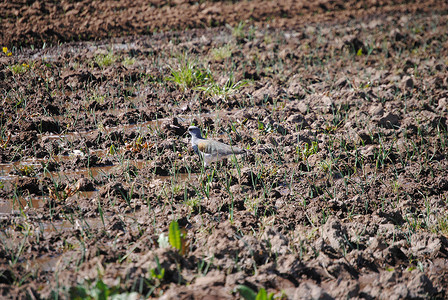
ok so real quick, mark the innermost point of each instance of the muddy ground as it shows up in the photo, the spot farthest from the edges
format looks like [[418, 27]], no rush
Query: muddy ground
[[341, 106]]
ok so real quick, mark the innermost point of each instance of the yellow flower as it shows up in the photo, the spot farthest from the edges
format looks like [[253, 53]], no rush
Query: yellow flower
[[9, 54], [5, 49]]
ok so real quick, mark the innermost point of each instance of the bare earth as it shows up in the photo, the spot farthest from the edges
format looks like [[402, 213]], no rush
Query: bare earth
[[342, 107]]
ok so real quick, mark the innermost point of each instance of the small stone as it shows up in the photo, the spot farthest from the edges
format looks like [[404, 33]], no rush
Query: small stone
[[407, 82], [334, 232], [297, 118], [211, 280], [85, 184], [327, 101], [367, 151], [443, 104], [296, 90], [376, 110], [308, 290], [341, 82], [389, 120], [302, 107]]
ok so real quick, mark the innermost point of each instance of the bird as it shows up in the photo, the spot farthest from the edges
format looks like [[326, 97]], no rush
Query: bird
[[211, 150]]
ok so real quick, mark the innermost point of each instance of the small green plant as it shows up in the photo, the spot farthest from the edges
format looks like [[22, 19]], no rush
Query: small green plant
[[241, 33], [19, 68], [221, 53], [252, 203], [175, 236], [4, 143], [267, 39], [15, 251], [98, 290], [25, 170], [97, 98], [248, 294], [177, 239], [155, 278], [326, 165], [306, 150], [157, 273], [193, 202], [395, 186], [128, 61], [206, 184], [442, 225], [189, 74], [105, 60], [229, 88], [238, 31], [265, 128], [112, 150]]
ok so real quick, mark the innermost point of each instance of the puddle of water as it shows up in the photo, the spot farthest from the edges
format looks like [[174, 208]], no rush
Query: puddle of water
[[45, 263], [7, 169], [93, 172], [8, 206], [180, 177], [65, 225], [24, 203], [11, 205]]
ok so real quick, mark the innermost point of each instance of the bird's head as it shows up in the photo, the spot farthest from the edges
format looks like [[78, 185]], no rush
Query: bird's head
[[194, 131]]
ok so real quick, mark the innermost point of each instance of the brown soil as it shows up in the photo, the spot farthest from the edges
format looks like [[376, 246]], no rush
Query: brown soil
[[342, 108]]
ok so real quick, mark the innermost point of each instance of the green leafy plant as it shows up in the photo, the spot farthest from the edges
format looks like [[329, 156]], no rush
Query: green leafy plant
[[221, 53], [193, 202], [128, 61], [306, 150], [4, 142], [112, 150], [241, 33], [157, 273], [248, 294], [229, 88], [25, 170], [97, 97], [19, 68], [105, 60], [238, 30], [176, 237], [189, 74], [98, 290]]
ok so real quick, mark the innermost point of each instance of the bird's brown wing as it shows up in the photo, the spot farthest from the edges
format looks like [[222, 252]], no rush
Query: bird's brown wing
[[217, 148]]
